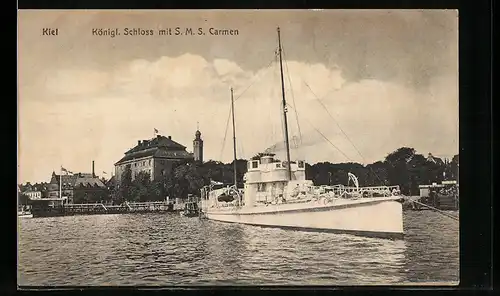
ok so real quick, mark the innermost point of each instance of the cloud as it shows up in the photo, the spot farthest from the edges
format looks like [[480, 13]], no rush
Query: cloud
[[173, 93], [224, 67], [76, 82]]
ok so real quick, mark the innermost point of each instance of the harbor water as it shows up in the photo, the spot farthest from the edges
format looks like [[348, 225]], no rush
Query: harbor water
[[166, 249]]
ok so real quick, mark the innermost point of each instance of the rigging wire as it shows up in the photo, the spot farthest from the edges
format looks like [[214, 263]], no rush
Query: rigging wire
[[340, 128], [256, 79], [293, 96], [225, 133], [319, 132], [239, 96], [282, 127], [274, 132]]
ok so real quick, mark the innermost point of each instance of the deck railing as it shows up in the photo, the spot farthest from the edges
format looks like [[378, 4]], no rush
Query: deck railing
[[349, 191]]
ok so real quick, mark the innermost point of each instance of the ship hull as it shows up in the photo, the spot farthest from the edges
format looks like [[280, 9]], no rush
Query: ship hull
[[368, 217]]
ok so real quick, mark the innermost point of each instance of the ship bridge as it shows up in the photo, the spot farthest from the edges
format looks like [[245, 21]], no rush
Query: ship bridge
[[267, 169], [266, 179]]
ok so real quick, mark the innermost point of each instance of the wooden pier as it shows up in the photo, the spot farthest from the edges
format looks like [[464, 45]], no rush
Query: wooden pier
[[100, 209]]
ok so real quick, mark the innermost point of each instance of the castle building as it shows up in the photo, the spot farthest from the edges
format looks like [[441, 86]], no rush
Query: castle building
[[155, 156], [198, 146]]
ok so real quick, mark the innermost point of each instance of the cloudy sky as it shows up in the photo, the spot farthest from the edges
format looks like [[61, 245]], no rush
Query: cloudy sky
[[360, 85]]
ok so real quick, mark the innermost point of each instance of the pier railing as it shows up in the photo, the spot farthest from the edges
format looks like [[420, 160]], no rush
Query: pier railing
[[99, 208]]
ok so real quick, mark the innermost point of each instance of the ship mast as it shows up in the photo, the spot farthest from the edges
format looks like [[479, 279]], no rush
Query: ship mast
[[234, 139], [287, 143]]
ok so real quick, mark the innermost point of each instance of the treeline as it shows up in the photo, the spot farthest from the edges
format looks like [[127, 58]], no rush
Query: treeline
[[403, 167]]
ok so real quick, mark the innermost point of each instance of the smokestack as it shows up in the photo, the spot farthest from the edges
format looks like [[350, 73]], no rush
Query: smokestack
[[93, 172]]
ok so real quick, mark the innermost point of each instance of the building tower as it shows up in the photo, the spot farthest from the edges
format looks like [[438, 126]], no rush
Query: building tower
[[198, 146]]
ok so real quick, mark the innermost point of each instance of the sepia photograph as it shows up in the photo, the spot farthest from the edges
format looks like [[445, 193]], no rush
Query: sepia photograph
[[237, 148]]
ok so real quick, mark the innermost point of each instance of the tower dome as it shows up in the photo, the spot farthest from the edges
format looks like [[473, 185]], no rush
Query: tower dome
[[197, 134]]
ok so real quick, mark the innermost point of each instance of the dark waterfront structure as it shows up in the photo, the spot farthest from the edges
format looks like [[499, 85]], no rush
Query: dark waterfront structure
[[47, 207], [154, 156], [444, 196]]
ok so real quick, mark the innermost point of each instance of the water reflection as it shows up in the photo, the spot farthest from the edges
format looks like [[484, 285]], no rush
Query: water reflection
[[156, 249], [433, 248]]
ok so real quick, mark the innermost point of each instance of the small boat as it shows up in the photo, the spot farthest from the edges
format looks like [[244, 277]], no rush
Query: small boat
[[191, 209], [24, 214]]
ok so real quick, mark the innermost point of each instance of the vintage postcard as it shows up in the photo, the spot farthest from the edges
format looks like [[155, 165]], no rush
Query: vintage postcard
[[217, 147]]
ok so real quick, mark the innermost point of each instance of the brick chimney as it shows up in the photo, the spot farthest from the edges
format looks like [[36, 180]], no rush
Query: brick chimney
[[170, 137], [93, 171]]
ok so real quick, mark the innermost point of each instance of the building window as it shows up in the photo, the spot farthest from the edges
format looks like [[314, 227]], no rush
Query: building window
[[278, 165], [255, 164], [150, 162]]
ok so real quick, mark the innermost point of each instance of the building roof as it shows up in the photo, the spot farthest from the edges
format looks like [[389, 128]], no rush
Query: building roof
[[157, 152], [86, 181], [159, 141], [28, 187], [77, 180], [68, 179], [111, 182]]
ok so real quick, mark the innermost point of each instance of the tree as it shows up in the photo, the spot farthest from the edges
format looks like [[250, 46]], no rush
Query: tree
[[403, 154], [417, 173], [24, 199], [156, 191], [141, 187], [189, 180], [454, 166], [377, 174], [125, 186], [397, 165]]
